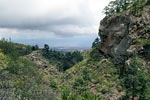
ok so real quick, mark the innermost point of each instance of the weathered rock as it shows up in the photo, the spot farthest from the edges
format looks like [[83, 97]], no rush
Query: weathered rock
[[114, 33], [120, 33]]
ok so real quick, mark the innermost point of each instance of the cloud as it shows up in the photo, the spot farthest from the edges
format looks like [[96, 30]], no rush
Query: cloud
[[57, 22], [49, 17]]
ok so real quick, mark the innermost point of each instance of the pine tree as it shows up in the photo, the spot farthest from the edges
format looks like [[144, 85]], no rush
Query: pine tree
[[96, 42]]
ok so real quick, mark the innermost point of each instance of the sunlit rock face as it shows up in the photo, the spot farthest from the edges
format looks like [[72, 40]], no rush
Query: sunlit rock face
[[114, 33], [124, 34]]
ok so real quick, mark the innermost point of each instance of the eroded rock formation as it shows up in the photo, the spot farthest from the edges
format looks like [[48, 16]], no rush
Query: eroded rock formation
[[124, 34]]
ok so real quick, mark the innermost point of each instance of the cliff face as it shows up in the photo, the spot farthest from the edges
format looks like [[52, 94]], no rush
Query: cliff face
[[124, 34], [114, 35]]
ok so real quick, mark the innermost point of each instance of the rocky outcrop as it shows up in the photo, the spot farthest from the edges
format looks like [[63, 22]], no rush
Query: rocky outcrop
[[114, 33], [43, 64], [49, 73], [123, 34]]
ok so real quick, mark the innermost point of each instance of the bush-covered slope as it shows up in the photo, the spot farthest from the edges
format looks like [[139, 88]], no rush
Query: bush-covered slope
[[14, 50], [63, 61], [20, 77], [116, 68], [93, 77]]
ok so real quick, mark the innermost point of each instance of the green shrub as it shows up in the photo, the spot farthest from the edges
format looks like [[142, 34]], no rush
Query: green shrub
[[63, 61], [53, 84], [80, 85], [143, 42], [136, 81], [67, 95]]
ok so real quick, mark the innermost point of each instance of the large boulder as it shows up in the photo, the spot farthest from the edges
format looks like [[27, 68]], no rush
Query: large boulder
[[123, 34], [114, 33]]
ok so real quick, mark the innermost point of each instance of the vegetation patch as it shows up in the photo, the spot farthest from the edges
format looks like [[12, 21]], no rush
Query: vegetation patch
[[143, 42]]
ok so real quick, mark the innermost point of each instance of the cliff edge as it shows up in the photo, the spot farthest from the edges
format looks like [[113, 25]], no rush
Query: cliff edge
[[124, 34]]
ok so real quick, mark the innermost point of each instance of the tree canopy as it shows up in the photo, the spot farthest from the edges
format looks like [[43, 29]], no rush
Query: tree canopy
[[63, 61], [119, 6]]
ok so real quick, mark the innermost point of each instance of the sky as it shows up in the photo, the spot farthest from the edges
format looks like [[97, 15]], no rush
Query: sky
[[59, 23]]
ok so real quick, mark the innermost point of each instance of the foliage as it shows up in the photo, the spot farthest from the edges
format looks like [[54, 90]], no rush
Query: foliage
[[3, 61], [36, 47], [14, 50], [67, 95], [119, 6], [136, 81], [143, 42], [97, 77], [80, 85], [19, 77], [95, 43], [53, 84], [63, 61], [137, 6], [95, 54]]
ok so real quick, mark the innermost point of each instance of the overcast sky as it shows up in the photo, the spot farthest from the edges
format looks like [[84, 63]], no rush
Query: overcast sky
[[56, 22]]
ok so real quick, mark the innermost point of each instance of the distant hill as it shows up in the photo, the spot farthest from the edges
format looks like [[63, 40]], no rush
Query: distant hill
[[69, 49]]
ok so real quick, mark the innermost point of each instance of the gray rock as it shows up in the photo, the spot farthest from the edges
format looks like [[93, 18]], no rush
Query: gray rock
[[119, 34]]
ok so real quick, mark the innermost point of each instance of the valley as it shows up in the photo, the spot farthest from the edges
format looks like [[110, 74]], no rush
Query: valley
[[116, 67]]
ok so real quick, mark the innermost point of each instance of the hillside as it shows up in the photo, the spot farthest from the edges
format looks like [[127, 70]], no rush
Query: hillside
[[118, 68], [115, 68], [21, 78], [31, 74]]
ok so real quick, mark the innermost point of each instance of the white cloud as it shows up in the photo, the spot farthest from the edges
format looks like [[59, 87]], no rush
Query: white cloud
[[50, 18]]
